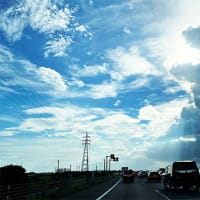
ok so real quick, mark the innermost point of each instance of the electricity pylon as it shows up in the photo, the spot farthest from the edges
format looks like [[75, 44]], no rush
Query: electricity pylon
[[85, 161]]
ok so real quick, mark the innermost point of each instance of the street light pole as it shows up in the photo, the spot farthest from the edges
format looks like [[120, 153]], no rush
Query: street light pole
[[107, 162]]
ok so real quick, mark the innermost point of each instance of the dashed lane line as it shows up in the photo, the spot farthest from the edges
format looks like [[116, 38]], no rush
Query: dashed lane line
[[105, 193]]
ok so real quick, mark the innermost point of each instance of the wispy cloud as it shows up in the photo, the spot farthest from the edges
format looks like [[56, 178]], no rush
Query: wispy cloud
[[49, 19], [89, 71], [71, 119], [7, 133], [39, 79], [52, 79], [57, 47]]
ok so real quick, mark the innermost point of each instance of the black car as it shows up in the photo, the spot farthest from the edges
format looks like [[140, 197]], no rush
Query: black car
[[128, 176], [181, 174], [153, 176]]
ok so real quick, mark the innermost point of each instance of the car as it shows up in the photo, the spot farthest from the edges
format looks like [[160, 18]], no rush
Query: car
[[128, 176], [153, 176], [181, 174], [142, 174]]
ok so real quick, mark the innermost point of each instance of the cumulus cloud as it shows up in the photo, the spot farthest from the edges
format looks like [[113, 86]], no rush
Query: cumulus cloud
[[104, 90], [190, 117], [130, 62], [164, 114]]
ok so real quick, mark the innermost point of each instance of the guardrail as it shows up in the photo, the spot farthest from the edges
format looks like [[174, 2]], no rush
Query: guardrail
[[30, 190], [40, 190]]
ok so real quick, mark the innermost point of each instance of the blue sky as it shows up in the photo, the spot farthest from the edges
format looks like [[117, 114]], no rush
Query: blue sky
[[126, 72]]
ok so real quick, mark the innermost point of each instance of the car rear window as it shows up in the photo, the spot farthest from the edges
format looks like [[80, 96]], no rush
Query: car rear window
[[185, 166], [154, 174]]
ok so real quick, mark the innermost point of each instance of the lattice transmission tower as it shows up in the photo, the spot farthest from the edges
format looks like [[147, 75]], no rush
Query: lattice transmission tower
[[85, 161]]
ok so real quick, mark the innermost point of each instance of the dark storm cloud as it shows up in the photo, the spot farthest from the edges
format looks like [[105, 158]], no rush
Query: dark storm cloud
[[166, 151], [193, 36], [190, 119], [190, 151], [190, 116]]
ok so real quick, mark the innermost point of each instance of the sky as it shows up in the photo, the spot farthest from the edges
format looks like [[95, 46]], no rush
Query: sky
[[126, 72]]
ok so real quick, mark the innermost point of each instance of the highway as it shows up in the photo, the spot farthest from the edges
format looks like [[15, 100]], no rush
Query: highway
[[139, 190]]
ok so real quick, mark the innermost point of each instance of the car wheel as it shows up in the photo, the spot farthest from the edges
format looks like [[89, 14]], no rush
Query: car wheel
[[164, 184], [170, 185], [196, 188]]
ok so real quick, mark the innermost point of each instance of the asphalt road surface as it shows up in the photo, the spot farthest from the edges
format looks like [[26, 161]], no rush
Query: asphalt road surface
[[139, 190]]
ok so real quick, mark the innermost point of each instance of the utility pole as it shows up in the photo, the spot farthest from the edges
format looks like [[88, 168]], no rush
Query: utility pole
[[58, 168], [85, 160]]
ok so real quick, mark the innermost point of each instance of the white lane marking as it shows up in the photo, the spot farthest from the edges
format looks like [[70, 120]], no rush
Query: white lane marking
[[163, 195], [105, 193]]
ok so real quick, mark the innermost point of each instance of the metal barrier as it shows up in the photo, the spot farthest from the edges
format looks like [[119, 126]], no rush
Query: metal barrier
[[29, 190]]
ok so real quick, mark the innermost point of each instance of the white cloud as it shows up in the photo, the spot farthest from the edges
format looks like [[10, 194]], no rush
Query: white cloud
[[13, 26], [81, 28], [117, 103], [38, 79], [7, 133], [26, 150], [104, 126], [89, 71], [161, 117], [174, 89], [188, 139], [172, 50], [52, 79], [48, 18], [57, 47], [130, 62], [73, 119], [170, 46], [117, 124], [103, 90], [140, 82], [126, 30], [76, 82], [70, 118]]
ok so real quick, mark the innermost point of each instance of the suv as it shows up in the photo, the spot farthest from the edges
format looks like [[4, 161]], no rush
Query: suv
[[181, 174]]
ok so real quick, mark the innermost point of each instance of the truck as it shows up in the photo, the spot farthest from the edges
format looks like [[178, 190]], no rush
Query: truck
[[127, 175]]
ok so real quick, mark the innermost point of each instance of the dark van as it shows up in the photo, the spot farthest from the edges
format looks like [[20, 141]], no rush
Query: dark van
[[181, 174]]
